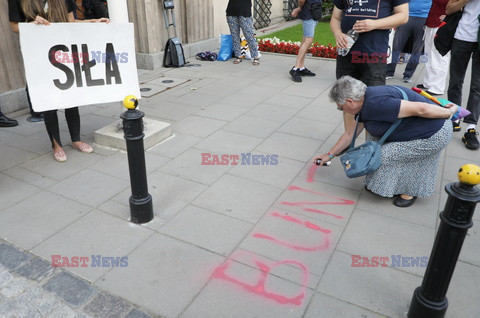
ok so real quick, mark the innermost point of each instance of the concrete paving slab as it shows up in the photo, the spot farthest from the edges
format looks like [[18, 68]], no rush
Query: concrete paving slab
[[232, 293], [30, 177], [169, 110], [319, 201], [212, 231], [277, 114], [227, 142], [289, 269], [290, 146], [175, 145], [326, 306], [282, 235], [12, 156], [33, 220], [46, 166], [170, 194], [197, 126], [90, 187], [189, 166], [221, 112], [253, 126], [452, 164], [241, 99], [239, 198], [94, 236], [37, 143], [14, 191], [307, 128], [383, 290], [116, 165], [176, 268], [366, 235], [463, 291], [277, 175]]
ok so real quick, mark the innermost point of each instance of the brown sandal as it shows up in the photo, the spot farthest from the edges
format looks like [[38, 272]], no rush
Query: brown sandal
[[256, 61], [237, 61]]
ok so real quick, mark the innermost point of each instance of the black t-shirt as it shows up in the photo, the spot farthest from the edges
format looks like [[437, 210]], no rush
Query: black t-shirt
[[380, 110], [15, 12], [375, 41], [239, 8]]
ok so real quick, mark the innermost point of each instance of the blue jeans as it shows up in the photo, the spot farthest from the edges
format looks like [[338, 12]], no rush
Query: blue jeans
[[309, 28], [461, 53]]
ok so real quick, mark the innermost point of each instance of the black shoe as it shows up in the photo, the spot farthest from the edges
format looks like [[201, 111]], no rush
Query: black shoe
[[306, 72], [296, 75], [36, 118], [7, 122], [433, 94], [403, 203], [470, 139], [456, 126], [421, 86]]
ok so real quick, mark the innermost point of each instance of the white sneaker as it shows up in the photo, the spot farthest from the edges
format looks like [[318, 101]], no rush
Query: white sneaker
[[388, 77]]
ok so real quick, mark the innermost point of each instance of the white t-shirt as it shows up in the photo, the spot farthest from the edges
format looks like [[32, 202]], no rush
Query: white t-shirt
[[467, 29]]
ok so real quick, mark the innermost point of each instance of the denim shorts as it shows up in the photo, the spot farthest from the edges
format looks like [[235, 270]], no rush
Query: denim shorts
[[309, 28]]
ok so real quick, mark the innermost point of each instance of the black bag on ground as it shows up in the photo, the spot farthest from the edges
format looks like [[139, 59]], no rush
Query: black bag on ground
[[445, 33], [173, 55], [315, 10]]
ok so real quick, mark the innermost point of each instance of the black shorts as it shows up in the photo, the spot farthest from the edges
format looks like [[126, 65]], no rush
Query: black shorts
[[370, 70]]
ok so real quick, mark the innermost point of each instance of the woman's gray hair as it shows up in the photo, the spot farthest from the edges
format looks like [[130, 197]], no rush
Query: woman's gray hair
[[347, 87]]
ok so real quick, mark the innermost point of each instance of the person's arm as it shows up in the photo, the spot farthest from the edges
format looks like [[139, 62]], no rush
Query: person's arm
[[399, 17], [426, 110], [297, 10], [345, 139], [71, 18], [455, 5], [335, 26], [38, 20]]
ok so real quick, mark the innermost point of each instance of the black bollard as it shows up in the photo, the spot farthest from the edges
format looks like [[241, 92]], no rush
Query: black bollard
[[429, 300], [141, 208]]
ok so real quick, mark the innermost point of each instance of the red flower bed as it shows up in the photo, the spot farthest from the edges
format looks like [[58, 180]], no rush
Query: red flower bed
[[317, 50]]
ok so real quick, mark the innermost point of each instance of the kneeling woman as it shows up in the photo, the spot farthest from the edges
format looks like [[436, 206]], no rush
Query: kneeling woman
[[410, 154]]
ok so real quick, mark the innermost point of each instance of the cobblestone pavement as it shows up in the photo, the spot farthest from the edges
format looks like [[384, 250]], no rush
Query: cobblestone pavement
[[31, 287]]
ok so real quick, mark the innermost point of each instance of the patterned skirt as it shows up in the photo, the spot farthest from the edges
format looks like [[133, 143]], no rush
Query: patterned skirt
[[409, 167]]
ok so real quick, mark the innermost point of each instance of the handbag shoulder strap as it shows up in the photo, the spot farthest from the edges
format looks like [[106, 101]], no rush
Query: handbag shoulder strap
[[388, 132], [397, 122]]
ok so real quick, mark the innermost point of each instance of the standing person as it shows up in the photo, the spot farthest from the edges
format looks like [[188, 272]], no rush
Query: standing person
[[410, 155], [436, 68], [418, 13], [372, 19], [7, 122], [44, 12], [464, 48], [309, 24], [239, 16]]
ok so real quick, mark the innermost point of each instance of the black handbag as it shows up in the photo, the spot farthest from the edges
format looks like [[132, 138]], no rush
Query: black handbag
[[315, 10], [444, 38]]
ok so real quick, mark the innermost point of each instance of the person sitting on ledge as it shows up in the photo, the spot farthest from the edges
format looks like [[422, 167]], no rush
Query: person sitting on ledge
[[410, 154]]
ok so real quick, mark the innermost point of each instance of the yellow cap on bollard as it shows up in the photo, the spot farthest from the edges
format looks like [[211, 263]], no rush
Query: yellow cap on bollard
[[469, 174], [130, 102]]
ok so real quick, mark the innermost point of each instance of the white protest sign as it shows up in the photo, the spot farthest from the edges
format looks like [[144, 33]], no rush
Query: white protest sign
[[75, 64]]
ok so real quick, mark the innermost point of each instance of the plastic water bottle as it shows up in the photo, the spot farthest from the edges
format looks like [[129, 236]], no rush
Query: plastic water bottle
[[352, 37]]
